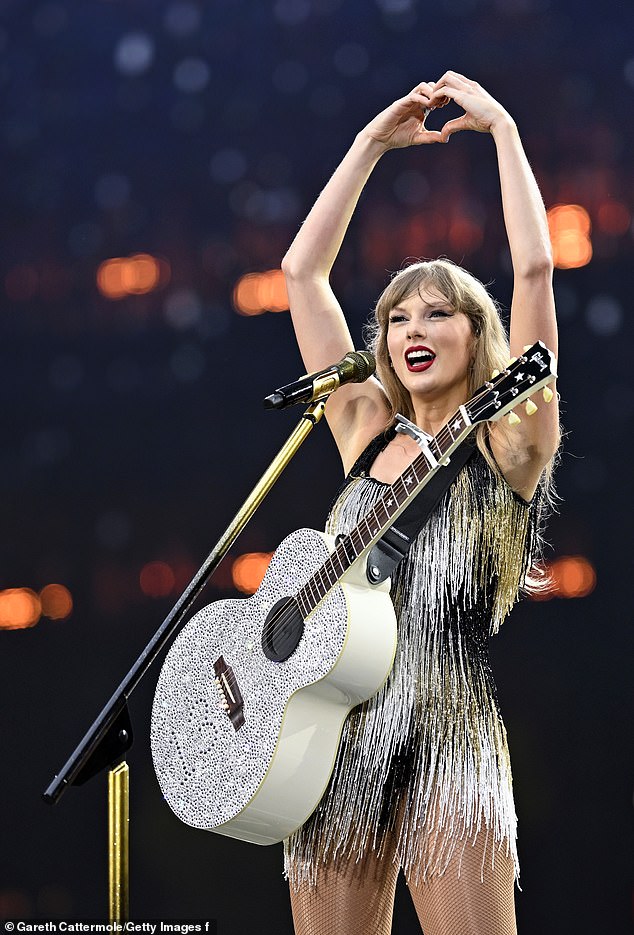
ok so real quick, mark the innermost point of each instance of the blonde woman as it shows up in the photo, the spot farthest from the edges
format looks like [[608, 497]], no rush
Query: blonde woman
[[422, 780]]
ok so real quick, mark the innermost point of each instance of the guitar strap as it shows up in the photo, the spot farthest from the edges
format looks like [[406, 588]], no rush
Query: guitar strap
[[393, 545]]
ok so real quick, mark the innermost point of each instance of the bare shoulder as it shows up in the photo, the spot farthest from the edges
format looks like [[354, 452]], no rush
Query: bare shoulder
[[356, 414]]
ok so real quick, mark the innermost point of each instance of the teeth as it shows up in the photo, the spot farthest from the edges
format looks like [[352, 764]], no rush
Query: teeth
[[419, 357]]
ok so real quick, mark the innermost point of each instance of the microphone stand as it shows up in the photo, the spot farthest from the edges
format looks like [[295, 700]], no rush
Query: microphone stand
[[110, 736]]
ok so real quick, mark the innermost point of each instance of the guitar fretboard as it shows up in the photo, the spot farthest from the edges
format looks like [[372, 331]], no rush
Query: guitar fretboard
[[384, 512]]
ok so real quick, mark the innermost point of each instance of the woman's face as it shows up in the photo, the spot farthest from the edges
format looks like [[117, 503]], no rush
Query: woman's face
[[431, 346]]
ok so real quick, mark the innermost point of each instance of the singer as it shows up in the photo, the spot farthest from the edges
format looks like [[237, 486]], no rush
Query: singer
[[422, 780]]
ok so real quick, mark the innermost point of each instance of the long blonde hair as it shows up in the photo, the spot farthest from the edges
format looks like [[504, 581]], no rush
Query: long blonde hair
[[465, 294], [491, 352]]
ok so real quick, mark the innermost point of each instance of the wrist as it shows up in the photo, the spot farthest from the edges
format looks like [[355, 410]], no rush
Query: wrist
[[503, 126], [369, 146]]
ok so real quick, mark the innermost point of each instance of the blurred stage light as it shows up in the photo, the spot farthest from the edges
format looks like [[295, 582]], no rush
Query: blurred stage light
[[134, 53], [182, 309], [571, 576], [135, 275], [56, 601], [182, 19], [19, 608], [255, 293], [156, 579], [570, 227], [191, 75], [604, 315], [249, 569]]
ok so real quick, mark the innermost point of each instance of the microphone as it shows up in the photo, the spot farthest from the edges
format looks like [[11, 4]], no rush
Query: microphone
[[355, 367]]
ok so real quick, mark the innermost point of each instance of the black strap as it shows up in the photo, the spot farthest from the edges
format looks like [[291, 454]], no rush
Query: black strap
[[393, 545]]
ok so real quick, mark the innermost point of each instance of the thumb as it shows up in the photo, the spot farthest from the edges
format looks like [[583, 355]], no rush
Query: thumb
[[453, 126]]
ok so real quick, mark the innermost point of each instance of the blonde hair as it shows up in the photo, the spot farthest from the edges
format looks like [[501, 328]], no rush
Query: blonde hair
[[491, 351]]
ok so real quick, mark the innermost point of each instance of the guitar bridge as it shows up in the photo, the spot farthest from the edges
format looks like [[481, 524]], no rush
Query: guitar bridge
[[230, 695]]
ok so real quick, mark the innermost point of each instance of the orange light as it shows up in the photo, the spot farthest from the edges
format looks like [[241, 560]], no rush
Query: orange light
[[141, 273], [569, 576], [248, 571], [573, 576], [57, 602], [255, 293], [570, 227], [272, 291], [156, 579], [135, 275], [245, 295], [19, 608]]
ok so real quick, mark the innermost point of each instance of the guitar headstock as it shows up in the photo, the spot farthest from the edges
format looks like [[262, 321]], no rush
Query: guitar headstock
[[535, 369]]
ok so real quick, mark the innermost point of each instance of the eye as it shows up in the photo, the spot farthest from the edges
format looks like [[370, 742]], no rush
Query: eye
[[396, 317], [441, 313]]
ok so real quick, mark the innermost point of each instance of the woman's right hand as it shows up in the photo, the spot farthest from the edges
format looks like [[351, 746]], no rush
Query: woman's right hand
[[403, 122]]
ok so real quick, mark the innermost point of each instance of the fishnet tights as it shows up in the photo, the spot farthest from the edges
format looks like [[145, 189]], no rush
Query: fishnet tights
[[470, 898]]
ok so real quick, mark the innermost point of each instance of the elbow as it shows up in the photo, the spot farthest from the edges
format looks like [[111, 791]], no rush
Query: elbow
[[297, 271], [537, 267]]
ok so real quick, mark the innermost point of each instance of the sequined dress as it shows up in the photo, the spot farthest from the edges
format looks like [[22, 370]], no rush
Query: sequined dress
[[432, 738]]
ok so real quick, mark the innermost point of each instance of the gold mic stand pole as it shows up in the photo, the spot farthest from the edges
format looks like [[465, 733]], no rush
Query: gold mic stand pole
[[119, 843], [309, 419]]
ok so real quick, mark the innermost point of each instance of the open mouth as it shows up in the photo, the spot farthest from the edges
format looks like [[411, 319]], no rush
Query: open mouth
[[419, 359]]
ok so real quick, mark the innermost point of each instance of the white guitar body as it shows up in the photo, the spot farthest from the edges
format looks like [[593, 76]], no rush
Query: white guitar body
[[261, 781], [245, 729]]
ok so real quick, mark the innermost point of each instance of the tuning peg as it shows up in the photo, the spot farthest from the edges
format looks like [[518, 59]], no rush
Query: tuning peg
[[514, 419], [547, 393], [496, 373], [530, 407]]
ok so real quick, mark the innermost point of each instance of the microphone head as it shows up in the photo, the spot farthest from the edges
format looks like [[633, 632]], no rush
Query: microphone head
[[363, 365]]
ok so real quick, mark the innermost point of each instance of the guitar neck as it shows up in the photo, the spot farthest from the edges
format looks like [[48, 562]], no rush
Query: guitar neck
[[385, 511]]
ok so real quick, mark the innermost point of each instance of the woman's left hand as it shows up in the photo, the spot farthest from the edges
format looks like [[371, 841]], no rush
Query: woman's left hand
[[481, 111]]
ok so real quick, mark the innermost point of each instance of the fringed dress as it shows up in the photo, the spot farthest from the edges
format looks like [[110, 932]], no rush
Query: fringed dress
[[432, 741]]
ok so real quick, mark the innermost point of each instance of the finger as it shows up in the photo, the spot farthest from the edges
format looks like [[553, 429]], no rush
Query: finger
[[424, 87], [454, 126], [421, 96], [428, 136], [451, 79], [445, 94]]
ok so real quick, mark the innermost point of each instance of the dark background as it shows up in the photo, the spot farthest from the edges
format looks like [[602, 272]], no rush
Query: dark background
[[133, 429]]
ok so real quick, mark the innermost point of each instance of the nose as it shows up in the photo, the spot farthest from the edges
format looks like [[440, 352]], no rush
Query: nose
[[415, 328]]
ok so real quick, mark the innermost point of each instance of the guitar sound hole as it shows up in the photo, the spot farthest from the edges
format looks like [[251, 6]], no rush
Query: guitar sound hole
[[283, 629]]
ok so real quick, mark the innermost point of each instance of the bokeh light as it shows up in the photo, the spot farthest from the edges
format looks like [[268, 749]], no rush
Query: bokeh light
[[135, 275], [157, 579], [569, 576], [248, 570], [19, 608], [255, 293], [570, 228], [56, 601]]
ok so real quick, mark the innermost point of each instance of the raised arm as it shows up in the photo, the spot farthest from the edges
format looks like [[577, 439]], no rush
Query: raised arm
[[523, 452], [355, 412]]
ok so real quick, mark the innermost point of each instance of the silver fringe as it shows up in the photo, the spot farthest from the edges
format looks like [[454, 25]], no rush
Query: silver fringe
[[432, 741]]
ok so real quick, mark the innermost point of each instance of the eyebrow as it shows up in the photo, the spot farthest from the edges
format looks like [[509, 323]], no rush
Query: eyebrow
[[437, 305]]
